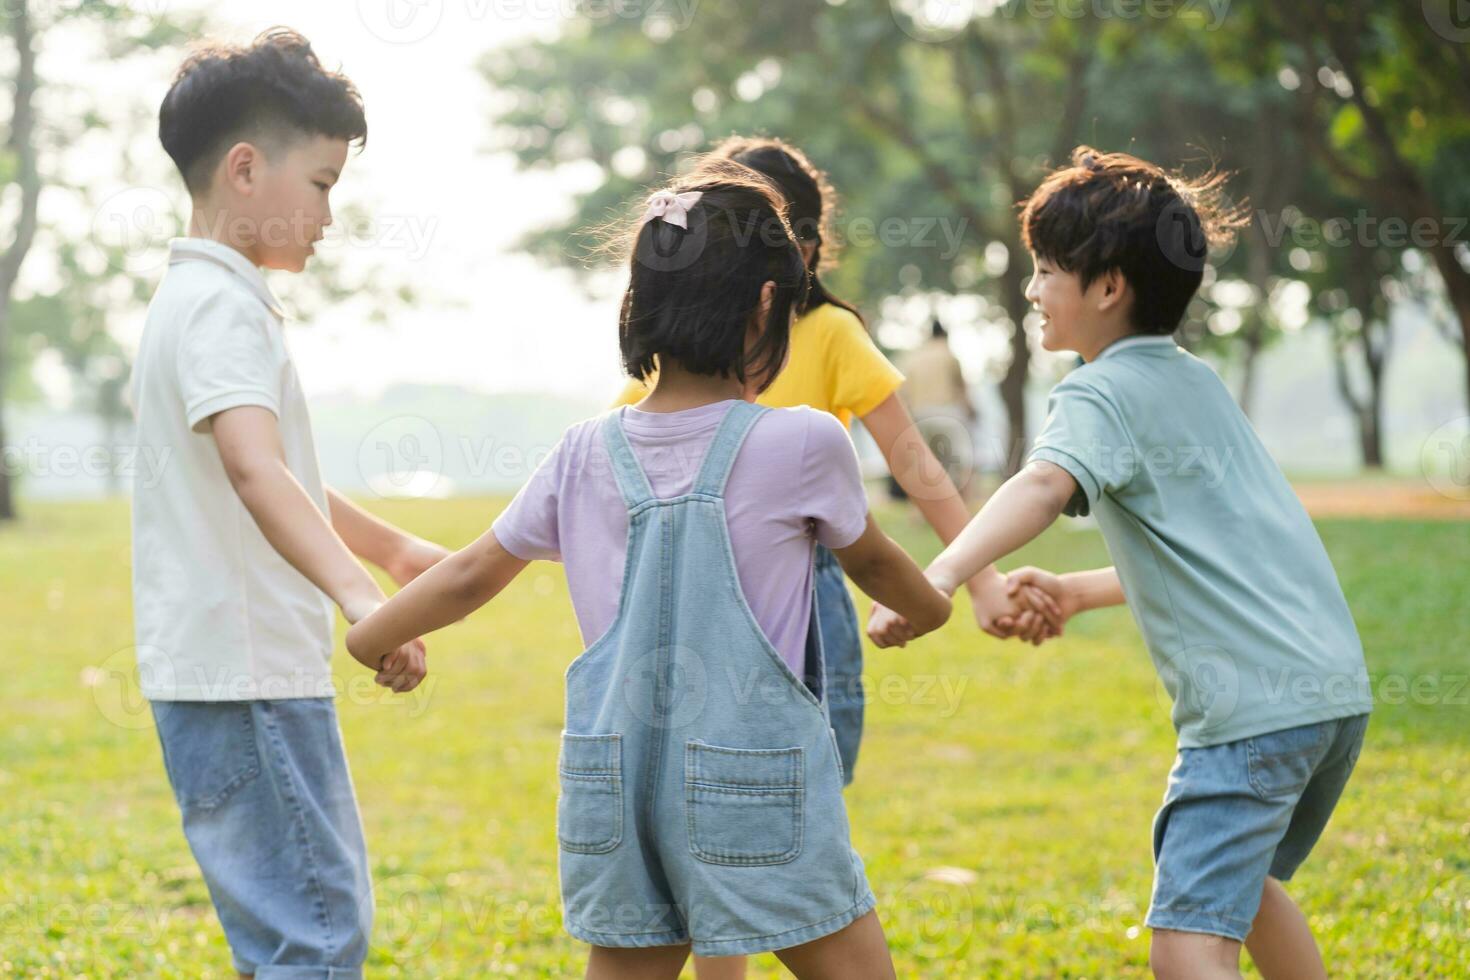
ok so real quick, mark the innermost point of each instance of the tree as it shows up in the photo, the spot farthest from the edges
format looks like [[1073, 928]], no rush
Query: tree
[[1382, 95], [108, 266], [18, 165], [923, 133]]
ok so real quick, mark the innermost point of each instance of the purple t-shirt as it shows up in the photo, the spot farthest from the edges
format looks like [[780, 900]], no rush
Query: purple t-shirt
[[796, 480]]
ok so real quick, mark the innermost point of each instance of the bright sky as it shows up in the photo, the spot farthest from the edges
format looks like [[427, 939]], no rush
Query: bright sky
[[447, 211]]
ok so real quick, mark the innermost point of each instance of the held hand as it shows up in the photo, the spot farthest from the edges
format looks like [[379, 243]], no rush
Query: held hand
[[1027, 613], [1033, 581], [1000, 614], [393, 667], [404, 668], [413, 559], [887, 628]]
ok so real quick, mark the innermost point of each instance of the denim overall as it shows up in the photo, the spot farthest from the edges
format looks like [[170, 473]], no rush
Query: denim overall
[[701, 787]]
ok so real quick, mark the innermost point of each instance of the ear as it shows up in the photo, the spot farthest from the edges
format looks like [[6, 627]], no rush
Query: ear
[[763, 312], [242, 167], [1112, 290]]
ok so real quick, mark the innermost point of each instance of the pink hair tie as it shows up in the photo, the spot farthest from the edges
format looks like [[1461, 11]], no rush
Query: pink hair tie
[[673, 208]]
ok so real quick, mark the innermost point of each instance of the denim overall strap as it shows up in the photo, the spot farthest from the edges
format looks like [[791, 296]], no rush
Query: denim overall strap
[[630, 476], [720, 458]]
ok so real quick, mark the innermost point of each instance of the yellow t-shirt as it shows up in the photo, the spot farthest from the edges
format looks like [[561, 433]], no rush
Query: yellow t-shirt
[[834, 366]]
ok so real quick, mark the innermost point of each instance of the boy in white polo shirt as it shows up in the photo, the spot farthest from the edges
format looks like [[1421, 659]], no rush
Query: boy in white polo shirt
[[239, 551]]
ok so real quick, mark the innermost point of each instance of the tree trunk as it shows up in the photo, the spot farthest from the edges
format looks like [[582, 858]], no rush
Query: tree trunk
[[22, 143], [1252, 339], [1370, 438], [1013, 385], [1457, 289]]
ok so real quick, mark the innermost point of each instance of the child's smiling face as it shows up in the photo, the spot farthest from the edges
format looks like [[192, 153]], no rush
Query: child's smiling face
[[1077, 319], [1058, 296]]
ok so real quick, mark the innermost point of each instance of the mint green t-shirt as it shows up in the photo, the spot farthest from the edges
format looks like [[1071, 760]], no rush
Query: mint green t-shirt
[[1232, 589]]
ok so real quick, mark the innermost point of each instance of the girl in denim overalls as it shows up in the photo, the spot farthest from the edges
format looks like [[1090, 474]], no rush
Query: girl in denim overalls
[[701, 788]]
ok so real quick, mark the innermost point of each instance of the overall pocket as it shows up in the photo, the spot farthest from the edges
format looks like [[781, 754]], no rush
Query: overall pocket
[[589, 810], [744, 806], [209, 750]]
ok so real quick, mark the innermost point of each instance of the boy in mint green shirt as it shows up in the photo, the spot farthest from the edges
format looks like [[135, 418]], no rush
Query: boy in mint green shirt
[[1225, 574]]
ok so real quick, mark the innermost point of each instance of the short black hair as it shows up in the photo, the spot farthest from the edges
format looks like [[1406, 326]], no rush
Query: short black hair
[[273, 90], [1114, 211], [693, 291]]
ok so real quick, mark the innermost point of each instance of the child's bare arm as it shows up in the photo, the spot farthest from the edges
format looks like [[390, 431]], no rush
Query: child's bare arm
[[887, 574], [446, 593], [916, 469], [402, 555], [1023, 507], [1075, 592], [249, 442]]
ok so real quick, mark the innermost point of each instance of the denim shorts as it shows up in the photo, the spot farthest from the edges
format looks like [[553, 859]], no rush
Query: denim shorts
[[842, 650], [269, 812], [1237, 812]]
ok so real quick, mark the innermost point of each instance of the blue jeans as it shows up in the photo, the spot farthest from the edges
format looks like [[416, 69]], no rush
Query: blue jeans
[[842, 647], [269, 812], [1237, 812]]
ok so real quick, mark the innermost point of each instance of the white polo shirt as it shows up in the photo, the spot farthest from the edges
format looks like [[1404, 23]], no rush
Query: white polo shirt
[[218, 614]]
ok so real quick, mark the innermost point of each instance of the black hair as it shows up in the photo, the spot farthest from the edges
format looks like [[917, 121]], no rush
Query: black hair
[[936, 330], [811, 203], [273, 90], [692, 292], [1114, 211]]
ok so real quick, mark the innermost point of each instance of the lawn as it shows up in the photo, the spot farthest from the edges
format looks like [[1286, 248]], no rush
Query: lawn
[[1002, 802]]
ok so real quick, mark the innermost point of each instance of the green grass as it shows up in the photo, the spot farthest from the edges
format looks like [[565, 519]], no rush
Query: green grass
[[1002, 804]]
